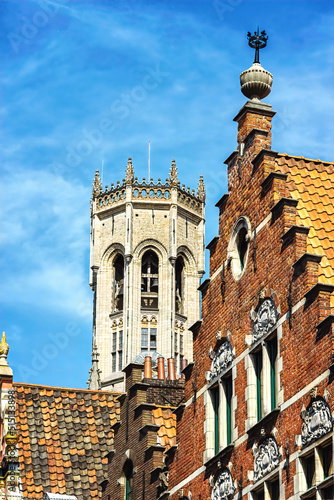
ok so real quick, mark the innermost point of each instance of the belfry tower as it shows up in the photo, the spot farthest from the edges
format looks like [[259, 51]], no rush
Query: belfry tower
[[147, 259]]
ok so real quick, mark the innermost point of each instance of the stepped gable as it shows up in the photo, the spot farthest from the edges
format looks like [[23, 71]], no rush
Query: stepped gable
[[64, 435], [166, 419], [311, 183]]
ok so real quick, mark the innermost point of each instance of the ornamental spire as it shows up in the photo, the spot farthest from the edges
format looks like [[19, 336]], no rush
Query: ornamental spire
[[173, 174], [257, 41], [201, 189], [129, 173], [94, 381], [97, 185], [256, 82], [4, 349]]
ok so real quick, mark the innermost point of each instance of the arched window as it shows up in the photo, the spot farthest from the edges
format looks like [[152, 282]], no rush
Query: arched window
[[128, 476], [149, 280], [179, 285], [118, 284]]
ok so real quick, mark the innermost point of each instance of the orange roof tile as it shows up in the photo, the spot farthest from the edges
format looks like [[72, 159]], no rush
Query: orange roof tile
[[311, 182], [167, 422], [54, 455]]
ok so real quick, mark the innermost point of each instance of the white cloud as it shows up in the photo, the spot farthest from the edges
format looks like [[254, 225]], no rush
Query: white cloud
[[46, 242]]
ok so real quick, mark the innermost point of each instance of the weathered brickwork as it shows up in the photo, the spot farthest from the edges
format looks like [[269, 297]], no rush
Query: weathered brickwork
[[281, 267], [144, 434]]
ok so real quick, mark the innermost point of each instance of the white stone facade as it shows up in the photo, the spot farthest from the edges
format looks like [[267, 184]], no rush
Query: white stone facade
[[128, 220]]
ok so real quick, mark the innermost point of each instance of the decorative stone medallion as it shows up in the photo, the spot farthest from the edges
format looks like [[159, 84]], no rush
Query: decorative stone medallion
[[317, 421], [224, 488], [266, 458], [223, 358], [265, 319]]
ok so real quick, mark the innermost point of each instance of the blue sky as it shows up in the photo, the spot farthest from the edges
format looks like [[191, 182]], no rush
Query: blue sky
[[89, 81]]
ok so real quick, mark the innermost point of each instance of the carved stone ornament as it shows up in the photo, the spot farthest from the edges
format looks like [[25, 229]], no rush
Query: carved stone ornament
[[224, 488], [265, 319], [223, 358], [266, 457], [317, 421]]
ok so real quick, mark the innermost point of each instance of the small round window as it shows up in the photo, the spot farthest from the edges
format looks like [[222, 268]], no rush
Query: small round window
[[238, 246]]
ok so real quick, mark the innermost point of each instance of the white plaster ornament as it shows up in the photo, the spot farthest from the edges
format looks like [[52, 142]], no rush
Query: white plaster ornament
[[224, 488], [222, 359], [317, 421], [266, 458], [264, 319]]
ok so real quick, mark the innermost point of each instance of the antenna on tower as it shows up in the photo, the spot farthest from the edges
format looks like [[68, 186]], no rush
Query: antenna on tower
[[149, 161], [102, 172]]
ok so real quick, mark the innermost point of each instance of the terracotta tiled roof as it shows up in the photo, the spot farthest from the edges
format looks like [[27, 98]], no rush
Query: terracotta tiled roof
[[167, 422], [311, 182], [64, 437]]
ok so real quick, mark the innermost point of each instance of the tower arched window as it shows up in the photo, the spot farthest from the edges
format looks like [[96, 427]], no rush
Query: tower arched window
[[149, 280], [128, 477], [179, 285], [118, 284]]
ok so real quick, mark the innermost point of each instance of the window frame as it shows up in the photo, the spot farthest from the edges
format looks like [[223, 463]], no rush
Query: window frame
[[117, 345], [219, 436], [320, 481], [263, 377]]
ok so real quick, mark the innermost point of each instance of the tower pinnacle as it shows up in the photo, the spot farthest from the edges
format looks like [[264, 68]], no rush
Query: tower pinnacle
[[173, 174], [97, 184], [94, 382], [129, 173]]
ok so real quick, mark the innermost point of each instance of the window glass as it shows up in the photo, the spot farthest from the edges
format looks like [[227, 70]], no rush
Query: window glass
[[144, 338]]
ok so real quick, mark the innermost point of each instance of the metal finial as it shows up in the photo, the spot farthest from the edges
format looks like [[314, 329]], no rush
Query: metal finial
[[257, 41]]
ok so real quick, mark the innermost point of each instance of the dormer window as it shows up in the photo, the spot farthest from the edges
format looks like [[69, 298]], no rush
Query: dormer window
[[149, 280]]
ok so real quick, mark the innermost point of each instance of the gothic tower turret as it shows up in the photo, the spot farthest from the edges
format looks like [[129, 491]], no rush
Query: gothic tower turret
[[147, 259]]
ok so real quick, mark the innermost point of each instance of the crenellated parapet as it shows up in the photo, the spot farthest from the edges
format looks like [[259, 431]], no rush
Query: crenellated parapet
[[132, 189]]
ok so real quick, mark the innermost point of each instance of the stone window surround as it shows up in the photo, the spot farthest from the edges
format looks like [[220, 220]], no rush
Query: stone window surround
[[179, 331], [250, 392], [300, 487], [264, 484], [116, 327], [233, 257], [149, 321], [209, 424]]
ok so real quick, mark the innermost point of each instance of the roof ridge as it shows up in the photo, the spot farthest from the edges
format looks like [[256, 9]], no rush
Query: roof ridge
[[313, 160], [71, 389]]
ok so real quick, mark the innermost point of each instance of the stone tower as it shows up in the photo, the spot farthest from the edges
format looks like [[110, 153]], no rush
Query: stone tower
[[147, 259]]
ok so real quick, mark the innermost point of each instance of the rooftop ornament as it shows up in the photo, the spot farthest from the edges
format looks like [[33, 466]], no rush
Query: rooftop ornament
[[256, 81], [257, 42]]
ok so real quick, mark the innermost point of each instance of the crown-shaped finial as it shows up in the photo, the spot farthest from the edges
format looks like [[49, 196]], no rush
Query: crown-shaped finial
[[257, 41], [97, 184], [4, 347], [129, 173], [173, 174], [201, 189]]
